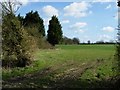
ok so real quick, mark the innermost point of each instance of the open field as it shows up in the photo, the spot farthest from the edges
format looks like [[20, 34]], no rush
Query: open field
[[65, 66]]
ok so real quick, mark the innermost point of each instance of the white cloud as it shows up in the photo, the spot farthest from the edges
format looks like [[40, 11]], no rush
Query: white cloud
[[50, 11], [86, 36], [77, 9], [78, 25], [65, 0], [108, 29], [71, 0], [104, 0], [90, 12], [25, 2], [36, 0], [108, 7], [65, 21], [105, 37], [79, 31], [46, 21]]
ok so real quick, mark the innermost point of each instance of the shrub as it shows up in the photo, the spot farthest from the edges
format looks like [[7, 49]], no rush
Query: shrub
[[16, 50]]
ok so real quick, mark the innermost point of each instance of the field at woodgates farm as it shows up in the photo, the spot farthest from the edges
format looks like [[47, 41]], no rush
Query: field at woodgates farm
[[65, 66]]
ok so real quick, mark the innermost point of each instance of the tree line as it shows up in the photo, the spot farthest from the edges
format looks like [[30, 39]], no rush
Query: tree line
[[33, 21], [21, 36], [54, 33]]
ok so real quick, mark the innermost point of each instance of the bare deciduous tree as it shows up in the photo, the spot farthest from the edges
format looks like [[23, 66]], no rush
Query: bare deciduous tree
[[10, 6]]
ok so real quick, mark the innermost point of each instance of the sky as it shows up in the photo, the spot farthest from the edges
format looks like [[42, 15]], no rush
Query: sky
[[94, 20]]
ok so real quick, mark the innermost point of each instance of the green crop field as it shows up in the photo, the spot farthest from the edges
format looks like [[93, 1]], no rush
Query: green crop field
[[65, 66]]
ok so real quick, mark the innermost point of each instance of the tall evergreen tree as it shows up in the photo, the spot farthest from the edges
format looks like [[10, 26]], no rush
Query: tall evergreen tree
[[32, 19], [54, 35]]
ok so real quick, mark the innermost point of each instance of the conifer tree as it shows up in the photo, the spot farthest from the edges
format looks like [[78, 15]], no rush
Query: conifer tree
[[54, 35], [33, 20]]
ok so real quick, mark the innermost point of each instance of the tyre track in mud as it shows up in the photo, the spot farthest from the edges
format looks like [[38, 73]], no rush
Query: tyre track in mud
[[62, 79], [75, 73]]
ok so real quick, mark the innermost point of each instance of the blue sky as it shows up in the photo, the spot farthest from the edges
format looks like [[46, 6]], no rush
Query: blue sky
[[92, 21]]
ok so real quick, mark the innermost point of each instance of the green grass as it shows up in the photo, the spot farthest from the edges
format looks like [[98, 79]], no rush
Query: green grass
[[67, 61]]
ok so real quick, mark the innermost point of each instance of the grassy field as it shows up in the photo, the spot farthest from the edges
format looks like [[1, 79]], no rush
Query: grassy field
[[65, 66]]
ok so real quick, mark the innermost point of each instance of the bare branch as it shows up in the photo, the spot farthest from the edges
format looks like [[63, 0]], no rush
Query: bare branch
[[10, 6]]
